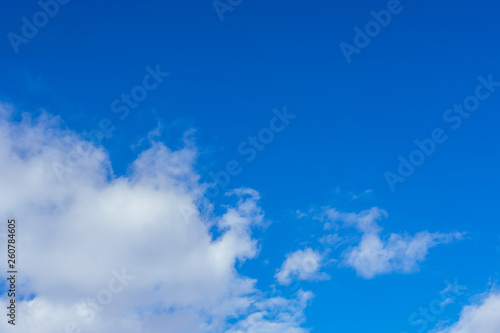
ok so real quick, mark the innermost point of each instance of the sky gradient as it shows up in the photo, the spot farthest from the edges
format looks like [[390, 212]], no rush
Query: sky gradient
[[259, 166]]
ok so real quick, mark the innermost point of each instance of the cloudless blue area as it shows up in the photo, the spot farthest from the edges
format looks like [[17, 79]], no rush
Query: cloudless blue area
[[352, 121]]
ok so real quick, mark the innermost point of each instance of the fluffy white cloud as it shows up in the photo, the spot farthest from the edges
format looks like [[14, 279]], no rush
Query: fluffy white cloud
[[303, 265], [376, 254], [80, 237], [483, 317]]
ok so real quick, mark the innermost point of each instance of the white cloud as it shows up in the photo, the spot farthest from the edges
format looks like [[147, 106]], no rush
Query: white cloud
[[399, 253], [276, 315], [482, 317], [303, 265], [333, 240], [376, 254], [73, 234]]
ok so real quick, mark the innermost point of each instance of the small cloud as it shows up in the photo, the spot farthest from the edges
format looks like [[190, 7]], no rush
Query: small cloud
[[300, 215], [351, 195], [332, 239], [303, 265], [376, 254], [357, 196]]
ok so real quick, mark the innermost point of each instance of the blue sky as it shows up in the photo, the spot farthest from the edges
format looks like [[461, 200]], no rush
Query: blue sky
[[351, 118]]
